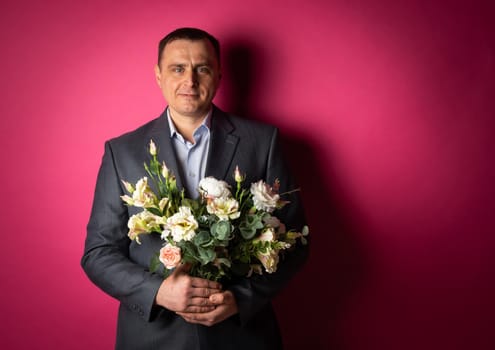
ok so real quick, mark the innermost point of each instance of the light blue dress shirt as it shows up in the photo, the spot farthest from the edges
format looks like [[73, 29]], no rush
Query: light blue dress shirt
[[191, 157]]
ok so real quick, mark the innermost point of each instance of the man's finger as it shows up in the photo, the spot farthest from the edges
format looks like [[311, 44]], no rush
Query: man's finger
[[197, 309], [199, 301], [203, 283], [218, 298], [203, 292], [206, 319]]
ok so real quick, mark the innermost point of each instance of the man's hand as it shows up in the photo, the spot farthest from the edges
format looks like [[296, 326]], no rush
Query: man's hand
[[182, 293], [226, 306]]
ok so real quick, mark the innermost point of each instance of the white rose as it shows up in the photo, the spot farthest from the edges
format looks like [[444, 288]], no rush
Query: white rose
[[264, 197], [211, 188], [182, 225]]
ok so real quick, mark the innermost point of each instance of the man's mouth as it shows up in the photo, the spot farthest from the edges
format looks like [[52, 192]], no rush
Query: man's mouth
[[188, 94]]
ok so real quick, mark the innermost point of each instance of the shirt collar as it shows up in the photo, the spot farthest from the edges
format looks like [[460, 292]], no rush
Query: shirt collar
[[173, 131]]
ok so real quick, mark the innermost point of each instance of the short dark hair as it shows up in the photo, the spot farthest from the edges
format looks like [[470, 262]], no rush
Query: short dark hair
[[188, 33]]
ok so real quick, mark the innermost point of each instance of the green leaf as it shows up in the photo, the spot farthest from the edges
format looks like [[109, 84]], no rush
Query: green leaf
[[155, 263], [221, 230], [249, 226], [202, 238], [162, 189], [224, 261], [203, 221], [206, 255], [154, 211], [247, 232]]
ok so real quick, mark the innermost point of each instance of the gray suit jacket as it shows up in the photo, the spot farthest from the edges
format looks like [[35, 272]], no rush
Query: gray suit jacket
[[120, 267]]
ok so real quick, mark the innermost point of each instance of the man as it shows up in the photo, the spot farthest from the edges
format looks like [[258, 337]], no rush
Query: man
[[195, 139]]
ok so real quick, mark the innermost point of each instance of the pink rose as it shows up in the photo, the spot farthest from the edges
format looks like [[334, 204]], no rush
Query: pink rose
[[170, 256]]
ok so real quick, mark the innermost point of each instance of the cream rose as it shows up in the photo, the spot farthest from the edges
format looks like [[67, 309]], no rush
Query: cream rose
[[170, 256], [142, 196], [182, 225], [211, 188], [269, 260], [224, 208], [143, 222]]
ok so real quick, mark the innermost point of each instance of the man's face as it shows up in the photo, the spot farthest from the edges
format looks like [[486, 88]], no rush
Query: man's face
[[189, 75]]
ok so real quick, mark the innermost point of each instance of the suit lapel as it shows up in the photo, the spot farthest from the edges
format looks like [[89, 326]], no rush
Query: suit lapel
[[222, 145], [160, 134]]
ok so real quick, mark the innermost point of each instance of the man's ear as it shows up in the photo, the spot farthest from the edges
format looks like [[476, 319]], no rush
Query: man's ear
[[158, 75]]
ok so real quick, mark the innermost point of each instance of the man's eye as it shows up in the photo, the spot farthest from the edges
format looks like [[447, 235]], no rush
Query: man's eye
[[203, 70], [178, 69]]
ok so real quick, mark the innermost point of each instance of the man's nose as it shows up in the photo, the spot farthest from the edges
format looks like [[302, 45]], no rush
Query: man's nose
[[191, 77]]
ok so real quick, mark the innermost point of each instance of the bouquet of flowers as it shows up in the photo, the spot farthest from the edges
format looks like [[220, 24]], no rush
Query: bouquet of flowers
[[220, 234]]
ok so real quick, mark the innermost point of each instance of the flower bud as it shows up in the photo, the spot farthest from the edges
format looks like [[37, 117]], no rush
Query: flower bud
[[237, 175], [128, 187], [165, 172], [276, 186], [152, 148]]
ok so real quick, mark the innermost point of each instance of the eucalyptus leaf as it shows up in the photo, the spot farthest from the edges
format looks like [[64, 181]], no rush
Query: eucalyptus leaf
[[221, 230], [247, 232], [224, 261], [202, 238], [206, 255], [155, 263], [254, 220]]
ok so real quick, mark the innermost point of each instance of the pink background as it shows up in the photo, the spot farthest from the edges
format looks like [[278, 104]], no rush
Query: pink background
[[388, 111]]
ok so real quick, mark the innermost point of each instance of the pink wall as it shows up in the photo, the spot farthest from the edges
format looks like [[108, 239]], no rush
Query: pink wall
[[389, 111]]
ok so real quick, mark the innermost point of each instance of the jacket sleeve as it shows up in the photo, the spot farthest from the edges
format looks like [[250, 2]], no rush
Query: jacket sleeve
[[255, 292], [106, 253]]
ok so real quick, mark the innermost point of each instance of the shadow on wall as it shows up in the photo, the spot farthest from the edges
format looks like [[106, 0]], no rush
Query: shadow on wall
[[312, 308], [242, 69]]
